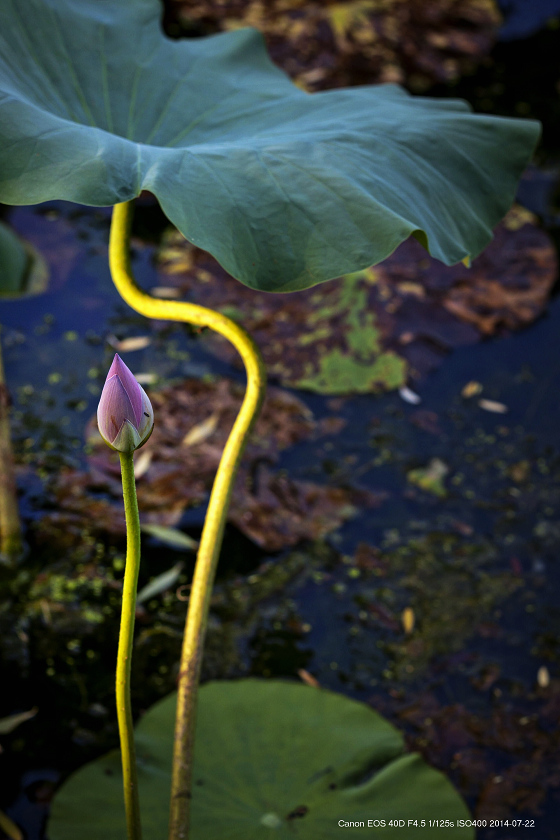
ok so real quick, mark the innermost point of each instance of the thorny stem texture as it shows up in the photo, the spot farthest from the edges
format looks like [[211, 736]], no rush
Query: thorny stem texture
[[212, 534], [124, 655]]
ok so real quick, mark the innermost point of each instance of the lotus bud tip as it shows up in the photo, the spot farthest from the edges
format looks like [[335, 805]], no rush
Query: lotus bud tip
[[124, 416]]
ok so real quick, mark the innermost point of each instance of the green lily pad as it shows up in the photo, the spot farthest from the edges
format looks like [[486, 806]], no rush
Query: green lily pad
[[284, 188], [22, 269], [273, 760]]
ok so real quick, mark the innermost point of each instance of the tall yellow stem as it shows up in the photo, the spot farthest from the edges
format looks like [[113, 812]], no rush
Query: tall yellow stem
[[212, 534]]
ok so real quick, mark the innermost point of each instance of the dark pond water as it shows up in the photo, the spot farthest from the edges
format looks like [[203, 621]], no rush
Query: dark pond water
[[479, 567], [476, 685], [525, 17]]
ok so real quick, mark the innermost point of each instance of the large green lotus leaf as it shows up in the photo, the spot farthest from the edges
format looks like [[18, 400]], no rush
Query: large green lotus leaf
[[286, 189], [272, 760]]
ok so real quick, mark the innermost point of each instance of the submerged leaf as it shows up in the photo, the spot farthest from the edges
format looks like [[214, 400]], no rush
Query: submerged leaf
[[281, 511], [170, 536], [272, 509], [142, 464], [374, 329], [23, 271], [202, 430], [160, 583], [8, 724]]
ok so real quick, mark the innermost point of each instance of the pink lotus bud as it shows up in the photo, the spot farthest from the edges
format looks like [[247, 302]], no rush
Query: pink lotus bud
[[125, 416]]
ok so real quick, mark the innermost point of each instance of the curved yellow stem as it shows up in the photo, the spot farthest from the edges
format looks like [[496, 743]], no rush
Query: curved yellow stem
[[212, 534]]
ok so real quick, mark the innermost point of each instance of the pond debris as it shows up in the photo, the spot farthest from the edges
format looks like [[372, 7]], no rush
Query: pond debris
[[378, 329], [171, 292], [426, 420], [409, 396], [146, 378], [129, 345], [308, 678], [430, 478], [497, 728], [504, 760], [179, 463], [471, 389], [202, 431], [160, 583], [493, 406], [172, 537], [408, 620], [281, 511], [334, 44], [8, 724], [142, 463]]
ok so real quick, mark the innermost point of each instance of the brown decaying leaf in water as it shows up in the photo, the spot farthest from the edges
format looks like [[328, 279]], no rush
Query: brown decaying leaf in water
[[409, 307], [334, 43], [272, 509], [474, 747]]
